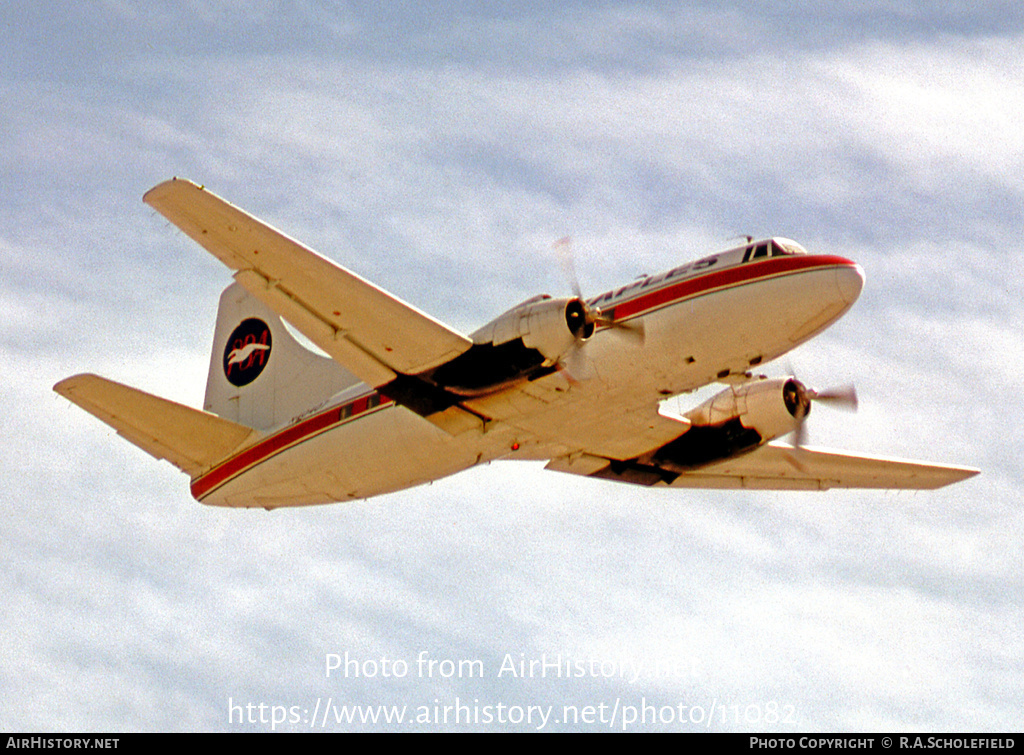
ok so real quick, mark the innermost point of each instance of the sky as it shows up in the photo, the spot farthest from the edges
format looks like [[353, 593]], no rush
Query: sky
[[439, 151]]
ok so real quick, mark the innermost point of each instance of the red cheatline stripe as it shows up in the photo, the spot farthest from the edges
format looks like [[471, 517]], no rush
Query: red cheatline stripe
[[731, 276], [289, 436]]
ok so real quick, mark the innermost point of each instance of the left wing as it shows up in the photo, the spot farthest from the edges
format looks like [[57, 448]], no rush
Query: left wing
[[771, 467], [373, 334]]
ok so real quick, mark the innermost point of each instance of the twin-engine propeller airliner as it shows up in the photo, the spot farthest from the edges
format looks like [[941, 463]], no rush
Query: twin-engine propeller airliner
[[401, 399]]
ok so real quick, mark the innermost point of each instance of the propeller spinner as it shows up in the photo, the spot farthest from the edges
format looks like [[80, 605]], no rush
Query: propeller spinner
[[799, 397]]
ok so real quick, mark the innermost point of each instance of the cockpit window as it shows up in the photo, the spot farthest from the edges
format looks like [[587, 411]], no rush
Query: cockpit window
[[777, 247], [785, 246]]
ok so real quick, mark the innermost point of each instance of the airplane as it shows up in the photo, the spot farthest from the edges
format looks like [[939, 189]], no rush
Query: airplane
[[398, 399]]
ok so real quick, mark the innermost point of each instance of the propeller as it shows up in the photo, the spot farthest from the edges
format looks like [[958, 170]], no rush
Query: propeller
[[592, 316], [799, 397], [586, 318]]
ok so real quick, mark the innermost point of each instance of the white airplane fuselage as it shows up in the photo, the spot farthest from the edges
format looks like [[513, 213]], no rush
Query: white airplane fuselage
[[708, 321]]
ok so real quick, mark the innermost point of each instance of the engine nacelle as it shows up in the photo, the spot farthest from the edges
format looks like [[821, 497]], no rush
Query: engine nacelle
[[737, 420], [770, 406], [549, 326], [526, 342]]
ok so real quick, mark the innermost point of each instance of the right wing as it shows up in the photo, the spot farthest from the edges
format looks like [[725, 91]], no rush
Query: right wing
[[775, 467], [373, 334], [772, 467]]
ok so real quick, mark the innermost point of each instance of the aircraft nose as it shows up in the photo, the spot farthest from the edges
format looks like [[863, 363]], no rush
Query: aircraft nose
[[850, 280]]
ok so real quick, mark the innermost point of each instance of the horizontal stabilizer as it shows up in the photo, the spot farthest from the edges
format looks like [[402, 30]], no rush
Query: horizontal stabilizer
[[191, 440], [370, 332]]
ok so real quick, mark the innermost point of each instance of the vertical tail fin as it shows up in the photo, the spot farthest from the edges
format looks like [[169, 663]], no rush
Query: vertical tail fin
[[260, 375]]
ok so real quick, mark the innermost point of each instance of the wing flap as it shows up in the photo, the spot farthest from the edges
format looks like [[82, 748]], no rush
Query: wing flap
[[599, 433], [191, 440], [366, 329]]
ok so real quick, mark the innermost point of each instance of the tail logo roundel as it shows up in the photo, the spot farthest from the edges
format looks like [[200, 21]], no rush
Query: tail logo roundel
[[247, 352]]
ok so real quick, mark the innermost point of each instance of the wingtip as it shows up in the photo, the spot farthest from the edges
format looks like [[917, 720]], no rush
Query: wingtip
[[65, 386], [951, 475], [970, 472], [164, 187]]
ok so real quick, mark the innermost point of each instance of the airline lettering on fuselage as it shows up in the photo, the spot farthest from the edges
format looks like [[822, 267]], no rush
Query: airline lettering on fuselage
[[648, 281], [247, 352]]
